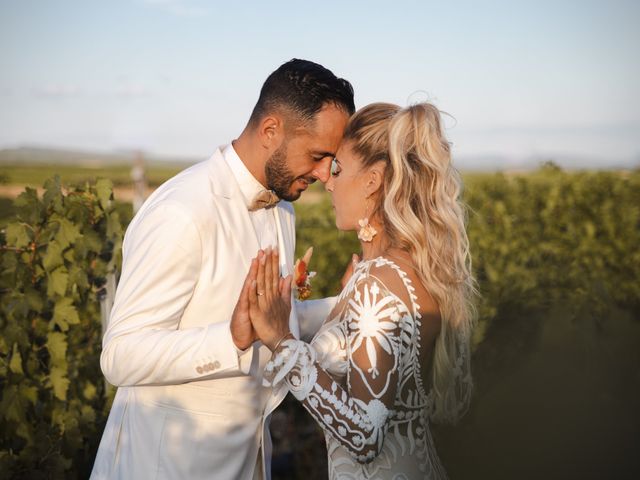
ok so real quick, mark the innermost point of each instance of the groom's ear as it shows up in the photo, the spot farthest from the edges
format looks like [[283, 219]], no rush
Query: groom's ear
[[270, 132]]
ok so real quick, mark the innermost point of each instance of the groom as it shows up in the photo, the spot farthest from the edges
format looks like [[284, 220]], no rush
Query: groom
[[179, 344]]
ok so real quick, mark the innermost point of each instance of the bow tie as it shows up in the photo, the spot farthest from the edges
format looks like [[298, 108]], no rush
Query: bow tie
[[264, 199]]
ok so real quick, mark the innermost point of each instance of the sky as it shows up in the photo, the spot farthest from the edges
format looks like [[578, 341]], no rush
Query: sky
[[520, 81]]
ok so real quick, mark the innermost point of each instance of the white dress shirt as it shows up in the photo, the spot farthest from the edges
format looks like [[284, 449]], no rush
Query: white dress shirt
[[263, 219]]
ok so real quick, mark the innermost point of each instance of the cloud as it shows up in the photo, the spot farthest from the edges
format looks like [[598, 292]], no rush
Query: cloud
[[181, 8]]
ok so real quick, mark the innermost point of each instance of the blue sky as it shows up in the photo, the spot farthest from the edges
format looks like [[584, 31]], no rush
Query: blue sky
[[522, 80]]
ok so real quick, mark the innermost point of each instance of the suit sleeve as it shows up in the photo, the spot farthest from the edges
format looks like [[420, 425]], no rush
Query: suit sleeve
[[143, 343]]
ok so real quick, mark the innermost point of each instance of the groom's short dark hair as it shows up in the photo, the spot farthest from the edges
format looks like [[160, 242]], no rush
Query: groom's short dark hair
[[302, 88]]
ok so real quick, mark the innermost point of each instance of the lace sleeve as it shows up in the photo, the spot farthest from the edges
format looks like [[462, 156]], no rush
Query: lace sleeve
[[358, 415]]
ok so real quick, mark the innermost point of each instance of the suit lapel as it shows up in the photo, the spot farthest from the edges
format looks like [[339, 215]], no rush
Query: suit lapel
[[232, 211]]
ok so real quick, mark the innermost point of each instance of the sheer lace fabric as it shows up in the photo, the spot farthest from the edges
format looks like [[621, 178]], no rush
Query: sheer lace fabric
[[361, 379]]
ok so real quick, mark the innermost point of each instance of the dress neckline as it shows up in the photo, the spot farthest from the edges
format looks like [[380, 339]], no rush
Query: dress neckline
[[406, 281]]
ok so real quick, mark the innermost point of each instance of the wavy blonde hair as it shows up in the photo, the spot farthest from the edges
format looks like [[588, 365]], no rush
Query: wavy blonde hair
[[421, 211]]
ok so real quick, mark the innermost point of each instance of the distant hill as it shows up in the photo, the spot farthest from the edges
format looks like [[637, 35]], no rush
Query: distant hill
[[489, 163], [26, 156], [46, 156]]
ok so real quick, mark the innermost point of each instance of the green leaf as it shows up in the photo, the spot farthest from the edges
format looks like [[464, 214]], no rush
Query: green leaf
[[91, 241], [34, 299], [69, 255], [29, 392], [16, 360], [28, 206], [10, 405], [57, 347], [89, 391], [78, 276], [67, 233], [88, 415], [59, 382], [25, 431], [64, 313], [114, 227], [53, 193], [18, 235], [58, 416], [53, 256], [38, 271], [104, 188], [58, 281]]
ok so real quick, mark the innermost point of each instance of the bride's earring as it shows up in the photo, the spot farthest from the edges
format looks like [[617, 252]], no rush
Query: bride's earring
[[367, 231]]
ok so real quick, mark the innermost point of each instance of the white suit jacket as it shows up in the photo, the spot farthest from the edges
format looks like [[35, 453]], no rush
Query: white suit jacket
[[187, 406]]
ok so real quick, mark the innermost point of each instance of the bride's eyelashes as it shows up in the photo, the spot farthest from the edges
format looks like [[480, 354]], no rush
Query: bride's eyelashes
[[335, 167]]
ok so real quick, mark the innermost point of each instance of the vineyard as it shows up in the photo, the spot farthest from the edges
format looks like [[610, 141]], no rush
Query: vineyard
[[557, 258]]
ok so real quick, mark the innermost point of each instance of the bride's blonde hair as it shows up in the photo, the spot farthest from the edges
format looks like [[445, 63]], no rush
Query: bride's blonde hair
[[421, 212]]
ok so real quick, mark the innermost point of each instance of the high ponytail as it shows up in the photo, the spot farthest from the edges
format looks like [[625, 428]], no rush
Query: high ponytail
[[422, 213]]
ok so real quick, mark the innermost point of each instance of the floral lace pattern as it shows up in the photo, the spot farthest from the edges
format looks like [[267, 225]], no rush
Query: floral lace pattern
[[360, 378]]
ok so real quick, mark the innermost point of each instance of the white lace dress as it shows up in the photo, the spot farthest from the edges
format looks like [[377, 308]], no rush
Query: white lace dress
[[361, 379]]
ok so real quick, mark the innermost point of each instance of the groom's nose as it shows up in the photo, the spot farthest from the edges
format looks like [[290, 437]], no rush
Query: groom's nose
[[322, 171]]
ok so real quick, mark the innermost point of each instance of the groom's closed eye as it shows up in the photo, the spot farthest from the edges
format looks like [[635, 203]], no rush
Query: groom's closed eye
[[319, 156]]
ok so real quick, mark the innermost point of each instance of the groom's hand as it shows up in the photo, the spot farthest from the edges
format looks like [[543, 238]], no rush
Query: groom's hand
[[242, 331], [270, 300]]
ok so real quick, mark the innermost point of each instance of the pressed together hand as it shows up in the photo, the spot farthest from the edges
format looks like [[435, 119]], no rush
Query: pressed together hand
[[242, 331], [269, 299], [262, 311]]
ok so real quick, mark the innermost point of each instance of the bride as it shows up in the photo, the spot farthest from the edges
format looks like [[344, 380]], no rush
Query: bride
[[393, 355]]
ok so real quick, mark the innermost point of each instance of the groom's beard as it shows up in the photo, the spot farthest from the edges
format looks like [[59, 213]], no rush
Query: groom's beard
[[279, 177]]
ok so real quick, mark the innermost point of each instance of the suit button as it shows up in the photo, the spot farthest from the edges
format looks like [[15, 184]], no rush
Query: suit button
[[199, 370], [216, 364], [210, 367]]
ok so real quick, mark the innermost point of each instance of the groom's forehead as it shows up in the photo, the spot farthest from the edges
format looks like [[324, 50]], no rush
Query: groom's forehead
[[315, 145], [327, 125], [317, 135], [317, 142]]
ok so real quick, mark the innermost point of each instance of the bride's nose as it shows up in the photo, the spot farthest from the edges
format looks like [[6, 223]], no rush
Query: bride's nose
[[328, 186]]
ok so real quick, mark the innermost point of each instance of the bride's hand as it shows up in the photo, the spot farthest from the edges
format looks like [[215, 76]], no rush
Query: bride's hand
[[270, 300]]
